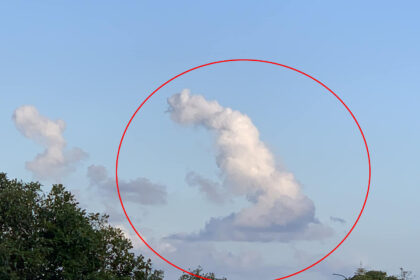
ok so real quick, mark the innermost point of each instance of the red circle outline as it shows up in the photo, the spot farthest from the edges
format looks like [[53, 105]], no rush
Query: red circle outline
[[247, 60]]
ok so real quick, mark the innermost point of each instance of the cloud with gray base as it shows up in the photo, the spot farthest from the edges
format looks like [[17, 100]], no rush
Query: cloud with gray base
[[55, 161], [279, 210], [140, 190]]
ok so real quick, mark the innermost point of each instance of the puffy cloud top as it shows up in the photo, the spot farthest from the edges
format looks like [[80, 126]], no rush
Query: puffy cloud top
[[55, 161], [279, 209]]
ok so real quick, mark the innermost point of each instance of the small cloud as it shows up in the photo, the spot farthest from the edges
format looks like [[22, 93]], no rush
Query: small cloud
[[140, 190], [55, 161], [212, 190], [337, 220]]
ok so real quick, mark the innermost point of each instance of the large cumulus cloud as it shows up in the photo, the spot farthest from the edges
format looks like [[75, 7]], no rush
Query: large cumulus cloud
[[278, 211]]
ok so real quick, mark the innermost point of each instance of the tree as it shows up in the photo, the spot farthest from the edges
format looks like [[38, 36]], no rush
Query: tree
[[363, 274], [405, 275], [373, 275], [51, 237], [199, 271]]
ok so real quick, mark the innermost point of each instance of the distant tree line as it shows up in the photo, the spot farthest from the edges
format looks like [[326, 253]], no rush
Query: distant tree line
[[363, 274], [49, 237]]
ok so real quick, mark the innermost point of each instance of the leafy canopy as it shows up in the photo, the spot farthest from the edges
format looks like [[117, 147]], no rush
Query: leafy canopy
[[51, 237], [199, 271]]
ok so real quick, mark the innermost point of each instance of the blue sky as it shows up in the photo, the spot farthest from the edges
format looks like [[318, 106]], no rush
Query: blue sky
[[92, 64]]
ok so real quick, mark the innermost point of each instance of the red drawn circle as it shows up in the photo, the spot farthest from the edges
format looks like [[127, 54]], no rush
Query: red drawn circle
[[246, 60]]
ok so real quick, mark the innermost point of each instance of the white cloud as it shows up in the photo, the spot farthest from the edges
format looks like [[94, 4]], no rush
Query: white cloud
[[55, 161], [279, 210]]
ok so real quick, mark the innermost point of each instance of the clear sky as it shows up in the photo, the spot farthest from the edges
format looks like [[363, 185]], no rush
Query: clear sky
[[91, 64]]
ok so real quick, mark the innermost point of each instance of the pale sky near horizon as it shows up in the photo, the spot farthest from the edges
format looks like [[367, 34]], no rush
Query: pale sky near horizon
[[92, 64]]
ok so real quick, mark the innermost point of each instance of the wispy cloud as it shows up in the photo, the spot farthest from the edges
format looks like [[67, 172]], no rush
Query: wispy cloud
[[55, 161], [212, 190], [140, 190], [279, 210], [337, 220]]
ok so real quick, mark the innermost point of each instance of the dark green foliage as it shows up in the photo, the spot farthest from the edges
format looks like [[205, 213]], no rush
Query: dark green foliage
[[51, 237], [373, 275], [199, 271]]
